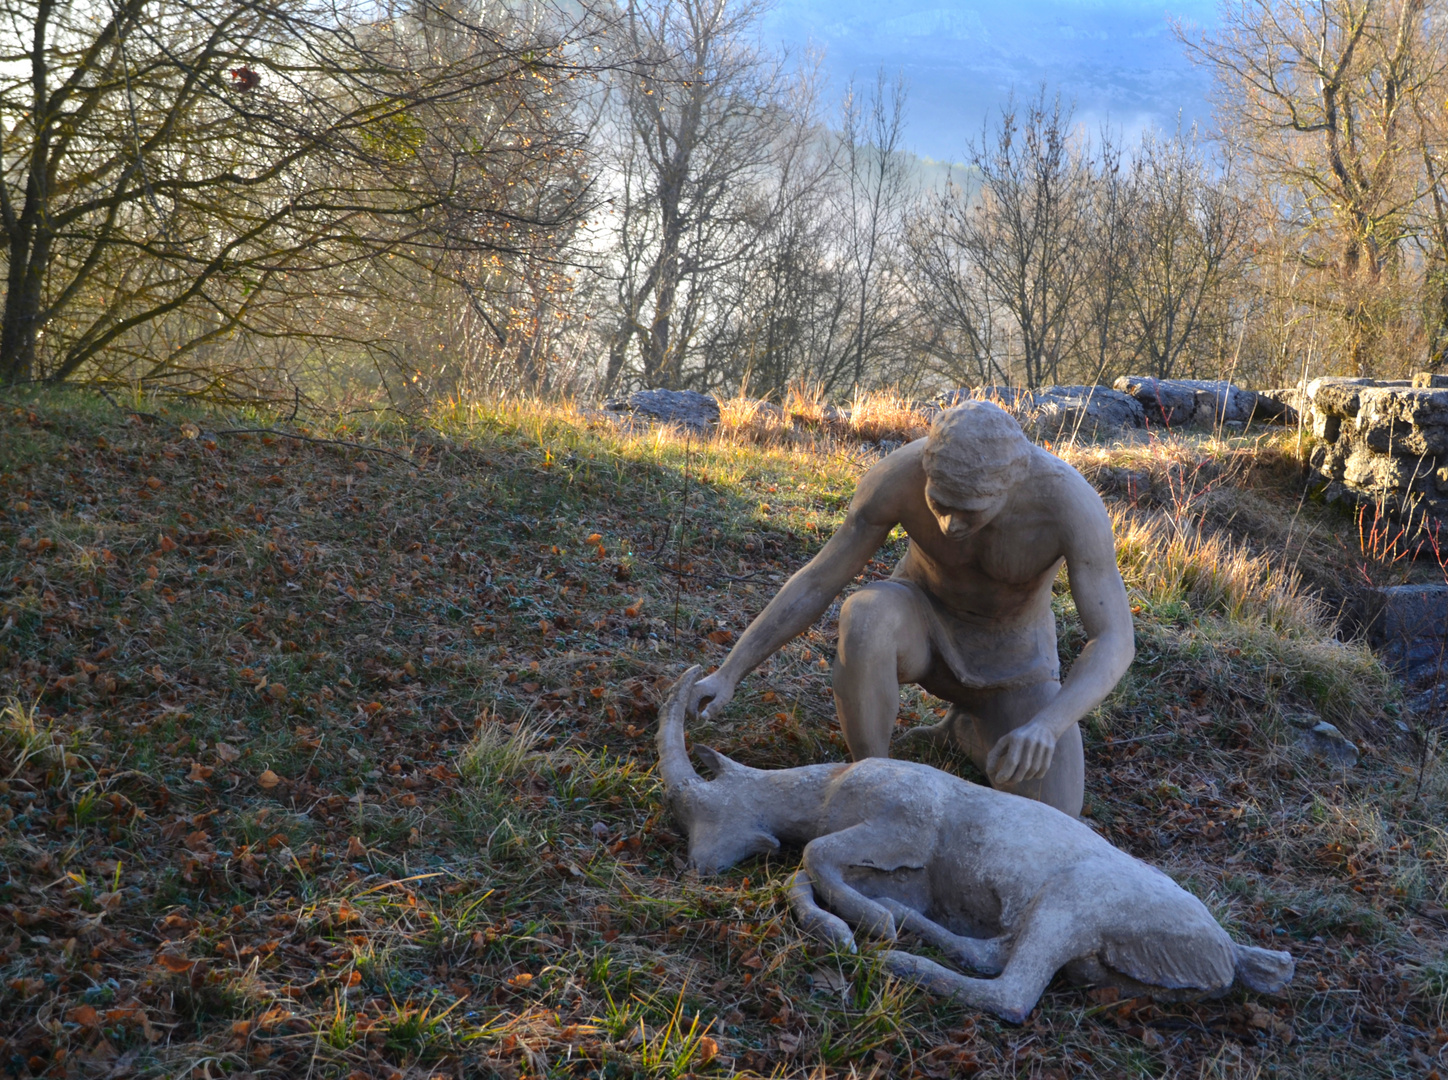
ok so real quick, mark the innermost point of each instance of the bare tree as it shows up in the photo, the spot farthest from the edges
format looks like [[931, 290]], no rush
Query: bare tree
[[1322, 97], [1024, 237], [701, 107], [876, 196], [1187, 227], [1104, 345], [960, 318], [178, 178]]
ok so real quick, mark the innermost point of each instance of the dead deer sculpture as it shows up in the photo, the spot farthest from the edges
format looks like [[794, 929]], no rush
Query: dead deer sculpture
[[1005, 886]]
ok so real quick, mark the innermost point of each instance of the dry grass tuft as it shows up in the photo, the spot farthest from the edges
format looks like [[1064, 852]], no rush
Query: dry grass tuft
[[752, 421], [806, 420], [879, 415], [1166, 559]]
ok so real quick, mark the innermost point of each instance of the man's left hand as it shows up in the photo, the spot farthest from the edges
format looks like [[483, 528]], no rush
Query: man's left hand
[[1024, 754]]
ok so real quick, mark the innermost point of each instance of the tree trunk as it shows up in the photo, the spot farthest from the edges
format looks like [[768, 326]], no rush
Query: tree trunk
[[20, 322]]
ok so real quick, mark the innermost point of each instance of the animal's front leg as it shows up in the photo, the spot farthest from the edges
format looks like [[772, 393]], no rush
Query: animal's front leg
[[826, 858], [815, 920], [986, 955]]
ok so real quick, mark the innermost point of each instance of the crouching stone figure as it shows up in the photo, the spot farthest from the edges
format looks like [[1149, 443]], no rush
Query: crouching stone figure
[[967, 612], [1007, 887]]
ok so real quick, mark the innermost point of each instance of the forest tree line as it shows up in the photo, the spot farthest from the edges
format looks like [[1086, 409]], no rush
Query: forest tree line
[[453, 198]]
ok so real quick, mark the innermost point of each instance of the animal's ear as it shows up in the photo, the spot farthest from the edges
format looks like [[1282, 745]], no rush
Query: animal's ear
[[714, 761], [1264, 970]]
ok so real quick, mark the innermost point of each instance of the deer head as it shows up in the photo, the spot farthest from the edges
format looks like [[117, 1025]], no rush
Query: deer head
[[723, 817]]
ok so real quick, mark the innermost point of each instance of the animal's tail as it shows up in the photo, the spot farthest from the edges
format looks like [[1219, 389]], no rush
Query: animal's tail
[[1264, 970], [1197, 958]]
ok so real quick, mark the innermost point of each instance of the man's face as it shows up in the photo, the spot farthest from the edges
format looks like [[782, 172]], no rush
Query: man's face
[[962, 515]]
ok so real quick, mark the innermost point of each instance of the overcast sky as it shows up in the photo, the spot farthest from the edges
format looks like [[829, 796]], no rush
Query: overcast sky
[[1117, 59]]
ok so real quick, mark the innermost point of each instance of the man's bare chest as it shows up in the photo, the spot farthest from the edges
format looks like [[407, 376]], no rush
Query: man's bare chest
[[998, 559]]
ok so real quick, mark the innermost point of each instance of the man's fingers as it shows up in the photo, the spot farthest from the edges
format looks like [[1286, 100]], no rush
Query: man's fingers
[[1015, 759], [1040, 761], [1010, 751], [992, 760]]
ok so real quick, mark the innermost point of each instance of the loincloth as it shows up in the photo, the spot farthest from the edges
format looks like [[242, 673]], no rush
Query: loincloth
[[972, 655]]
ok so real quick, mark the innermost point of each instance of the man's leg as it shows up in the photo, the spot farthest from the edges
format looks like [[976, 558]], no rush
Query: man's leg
[[882, 644], [986, 716]]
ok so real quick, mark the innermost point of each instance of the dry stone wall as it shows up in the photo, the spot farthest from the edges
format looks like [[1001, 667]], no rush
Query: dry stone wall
[[1136, 403], [1382, 442]]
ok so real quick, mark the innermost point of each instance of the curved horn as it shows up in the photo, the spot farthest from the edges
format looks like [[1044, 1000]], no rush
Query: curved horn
[[674, 764]]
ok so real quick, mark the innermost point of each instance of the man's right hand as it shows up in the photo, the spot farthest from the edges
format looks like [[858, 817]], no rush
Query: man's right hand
[[713, 693]]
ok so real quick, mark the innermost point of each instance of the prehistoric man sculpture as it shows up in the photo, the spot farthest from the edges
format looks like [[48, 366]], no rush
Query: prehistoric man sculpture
[[967, 613], [1001, 885]]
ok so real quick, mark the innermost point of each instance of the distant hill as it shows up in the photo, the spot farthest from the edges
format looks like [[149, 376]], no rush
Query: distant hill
[[1117, 59]]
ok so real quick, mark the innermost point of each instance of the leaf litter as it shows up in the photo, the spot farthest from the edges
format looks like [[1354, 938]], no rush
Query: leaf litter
[[322, 765]]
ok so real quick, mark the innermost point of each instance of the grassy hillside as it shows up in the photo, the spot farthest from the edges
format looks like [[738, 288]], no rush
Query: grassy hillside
[[334, 760]]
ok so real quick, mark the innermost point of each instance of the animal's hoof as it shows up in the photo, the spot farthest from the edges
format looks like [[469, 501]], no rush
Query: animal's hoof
[[918, 738]]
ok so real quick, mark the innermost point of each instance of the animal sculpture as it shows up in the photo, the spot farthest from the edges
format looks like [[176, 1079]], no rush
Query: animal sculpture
[[1007, 887]]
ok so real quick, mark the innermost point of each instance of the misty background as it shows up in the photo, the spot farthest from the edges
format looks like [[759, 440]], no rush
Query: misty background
[[1119, 61]]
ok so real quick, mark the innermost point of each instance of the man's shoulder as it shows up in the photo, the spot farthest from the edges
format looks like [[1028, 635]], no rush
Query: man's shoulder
[[1047, 468], [899, 466], [1057, 483]]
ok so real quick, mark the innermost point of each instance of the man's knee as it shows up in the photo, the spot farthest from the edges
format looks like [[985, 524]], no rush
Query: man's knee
[[870, 615], [875, 623]]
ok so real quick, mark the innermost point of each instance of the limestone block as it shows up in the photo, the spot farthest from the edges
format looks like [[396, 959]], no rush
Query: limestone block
[[1335, 396], [1371, 472], [1411, 630], [1167, 402], [1405, 405], [1088, 411], [1430, 379], [1324, 740], [1334, 460], [693, 410], [1206, 415], [1401, 439], [1282, 405], [1326, 426], [1230, 404], [1204, 402]]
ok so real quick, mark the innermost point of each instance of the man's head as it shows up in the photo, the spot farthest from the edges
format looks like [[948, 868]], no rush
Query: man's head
[[974, 457]]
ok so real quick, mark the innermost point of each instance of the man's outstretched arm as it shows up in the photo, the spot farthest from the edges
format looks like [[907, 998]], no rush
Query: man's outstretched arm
[[799, 602], [1100, 595]]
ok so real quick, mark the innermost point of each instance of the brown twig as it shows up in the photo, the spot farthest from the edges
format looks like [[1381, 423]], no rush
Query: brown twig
[[313, 439], [683, 516]]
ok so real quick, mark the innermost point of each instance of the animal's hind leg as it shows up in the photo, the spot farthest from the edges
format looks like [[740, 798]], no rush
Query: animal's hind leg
[[826, 858], [986, 955], [946, 733], [1049, 937]]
